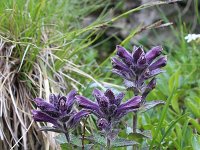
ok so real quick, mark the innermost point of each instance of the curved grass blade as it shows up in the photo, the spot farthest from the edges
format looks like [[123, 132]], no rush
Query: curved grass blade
[[163, 115], [171, 126]]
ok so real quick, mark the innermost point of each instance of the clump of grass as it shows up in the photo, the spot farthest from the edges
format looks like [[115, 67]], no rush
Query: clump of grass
[[37, 40]]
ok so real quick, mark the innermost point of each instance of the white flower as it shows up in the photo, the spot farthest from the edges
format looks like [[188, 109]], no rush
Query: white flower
[[192, 37]]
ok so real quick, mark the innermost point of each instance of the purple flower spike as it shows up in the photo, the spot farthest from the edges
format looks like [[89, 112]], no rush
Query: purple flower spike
[[42, 117], [108, 105], [135, 69], [59, 112]]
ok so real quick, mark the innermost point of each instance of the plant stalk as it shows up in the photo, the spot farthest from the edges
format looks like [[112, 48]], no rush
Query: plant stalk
[[136, 92], [135, 147], [108, 144], [134, 122], [66, 133], [83, 136], [67, 137]]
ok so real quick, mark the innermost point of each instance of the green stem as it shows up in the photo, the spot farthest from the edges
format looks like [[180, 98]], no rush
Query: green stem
[[67, 137], [108, 144], [136, 92], [66, 133], [135, 147], [134, 122]]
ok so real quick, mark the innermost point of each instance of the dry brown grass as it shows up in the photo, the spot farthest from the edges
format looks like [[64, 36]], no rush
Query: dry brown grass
[[17, 129]]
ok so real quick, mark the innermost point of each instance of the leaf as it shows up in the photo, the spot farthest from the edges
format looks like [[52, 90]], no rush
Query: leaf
[[195, 143], [60, 139], [68, 146], [129, 130], [194, 123], [140, 135], [151, 104], [73, 140], [120, 142], [175, 104], [193, 108], [88, 146], [97, 138], [65, 146], [172, 124], [174, 80], [76, 140], [162, 117]]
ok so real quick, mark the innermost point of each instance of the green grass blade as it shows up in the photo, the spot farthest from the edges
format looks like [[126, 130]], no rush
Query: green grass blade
[[23, 57], [171, 126], [163, 115]]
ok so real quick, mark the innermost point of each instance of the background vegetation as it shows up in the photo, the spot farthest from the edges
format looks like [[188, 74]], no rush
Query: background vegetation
[[54, 46]]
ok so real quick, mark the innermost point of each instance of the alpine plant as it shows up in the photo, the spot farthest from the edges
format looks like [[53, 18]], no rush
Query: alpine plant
[[137, 67], [59, 112], [108, 109]]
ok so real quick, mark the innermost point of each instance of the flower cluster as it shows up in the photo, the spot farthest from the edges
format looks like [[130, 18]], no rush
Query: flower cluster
[[59, 112], [108, 108], [137, 67], [192, 37]]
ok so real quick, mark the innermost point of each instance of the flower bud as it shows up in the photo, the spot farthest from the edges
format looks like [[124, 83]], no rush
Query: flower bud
[[151, 85], [153, 53], [161, 62], [124, 55], [102, 124], [137, 54]]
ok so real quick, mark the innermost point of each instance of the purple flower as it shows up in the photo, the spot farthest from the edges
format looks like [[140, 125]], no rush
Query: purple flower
[[151, 85], [43, 117], [108, 107], [138, 66], [59, 111], [103, 124]]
